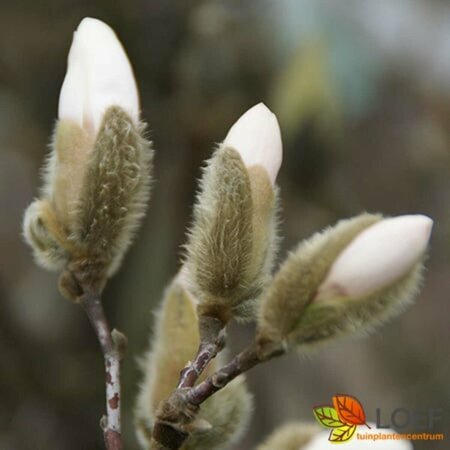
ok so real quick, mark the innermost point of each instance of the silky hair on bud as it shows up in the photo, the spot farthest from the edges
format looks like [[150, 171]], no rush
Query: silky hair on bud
[[94, 197], [265, 201], [295, 284], [115, 191], [265, 242], [47, 251], [65, 169], [339, 316], [225, 256]]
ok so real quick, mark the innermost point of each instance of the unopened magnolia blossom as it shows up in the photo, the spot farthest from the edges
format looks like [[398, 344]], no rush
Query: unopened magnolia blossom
[[98, 76], [256, 136], [378, 256], [232, 241], [96, 183]]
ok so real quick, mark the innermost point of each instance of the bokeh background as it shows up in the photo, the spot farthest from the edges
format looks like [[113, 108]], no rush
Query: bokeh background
[[362, 92]]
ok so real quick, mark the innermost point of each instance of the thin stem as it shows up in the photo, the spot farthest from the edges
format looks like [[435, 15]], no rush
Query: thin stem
[[176, 414], [193, 369], [242, 362], [212, 341], [92, 305]]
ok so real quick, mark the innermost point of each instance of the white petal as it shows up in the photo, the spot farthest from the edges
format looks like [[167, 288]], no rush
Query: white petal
[[321, 442], [256, 136], [99, 75], [71, 98], [378, 256]]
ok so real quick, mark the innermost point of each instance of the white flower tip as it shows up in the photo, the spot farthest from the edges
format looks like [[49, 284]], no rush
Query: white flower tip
[[256, 136], [420, 226], [378, 256], [89, 26], [98, 76]]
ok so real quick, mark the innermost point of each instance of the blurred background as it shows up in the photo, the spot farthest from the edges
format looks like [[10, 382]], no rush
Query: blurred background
[[362, 92]]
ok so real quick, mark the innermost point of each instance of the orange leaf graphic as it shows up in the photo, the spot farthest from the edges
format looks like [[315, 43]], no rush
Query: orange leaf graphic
[[342, 434], [349, 409]]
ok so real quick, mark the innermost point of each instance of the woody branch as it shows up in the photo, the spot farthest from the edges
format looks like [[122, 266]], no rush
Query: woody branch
[[176, 415], [92, 305], [212, 341]]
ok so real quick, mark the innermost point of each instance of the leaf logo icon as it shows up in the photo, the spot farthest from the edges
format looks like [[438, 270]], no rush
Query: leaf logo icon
[[342, 418], [342, 434], [349, 409], [327, 416]]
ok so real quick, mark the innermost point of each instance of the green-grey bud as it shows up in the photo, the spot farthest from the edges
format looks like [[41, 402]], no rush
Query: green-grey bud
[[232, 241], [97, 176], [348, 279]]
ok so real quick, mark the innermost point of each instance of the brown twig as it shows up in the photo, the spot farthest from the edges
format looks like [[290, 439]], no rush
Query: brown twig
[[212, 341], [176, 415], [92, 305], [241, 363]]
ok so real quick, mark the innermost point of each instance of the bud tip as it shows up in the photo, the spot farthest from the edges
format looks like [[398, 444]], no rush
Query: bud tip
[[378, 256], [98, 76], [256, 136]]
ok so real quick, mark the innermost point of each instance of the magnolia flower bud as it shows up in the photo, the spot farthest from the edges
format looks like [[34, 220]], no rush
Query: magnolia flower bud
[[321, 441], [99, 75], [347, 279], [97, 176], [232, 242], [256, 136], [377, 257]]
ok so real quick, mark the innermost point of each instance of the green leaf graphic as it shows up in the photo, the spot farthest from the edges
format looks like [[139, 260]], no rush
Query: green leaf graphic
[[342, 434], [327, 416]]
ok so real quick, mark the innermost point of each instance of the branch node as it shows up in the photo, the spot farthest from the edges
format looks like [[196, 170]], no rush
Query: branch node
[[104, 423], [120, 342]]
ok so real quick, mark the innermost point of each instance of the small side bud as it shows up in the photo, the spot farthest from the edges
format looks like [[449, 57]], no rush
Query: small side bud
[[120, 342], [103, 423], [233, 238], [69, 287], [199, 426], [174, 342], [228, 411], [39, 230], [292, 436], [223, 417]]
